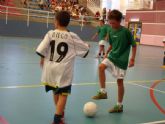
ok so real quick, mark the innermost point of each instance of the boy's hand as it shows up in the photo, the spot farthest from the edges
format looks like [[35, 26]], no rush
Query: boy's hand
[[42, 62], [131, 63]]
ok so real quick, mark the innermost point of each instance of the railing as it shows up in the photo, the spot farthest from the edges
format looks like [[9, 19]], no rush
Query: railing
[[27, 13], [94, 5], [47, 15]]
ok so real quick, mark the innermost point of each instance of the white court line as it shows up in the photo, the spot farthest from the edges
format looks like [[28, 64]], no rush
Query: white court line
[[155, 122], [86, 84], [41, 85], [134, 83]]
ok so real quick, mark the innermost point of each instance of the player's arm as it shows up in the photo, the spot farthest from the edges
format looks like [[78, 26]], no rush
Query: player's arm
[[106, 37], [94, 36], [134, 48], [108, 50], [86, 46], [42, 48], [81, 48], [132, 59], [110, 46]]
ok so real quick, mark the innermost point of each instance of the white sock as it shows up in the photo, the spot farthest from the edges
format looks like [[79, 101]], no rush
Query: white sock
[[119, 103], [103, 90]]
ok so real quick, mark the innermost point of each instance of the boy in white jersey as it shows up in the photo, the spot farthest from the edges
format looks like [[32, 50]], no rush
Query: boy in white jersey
[[58, 51]]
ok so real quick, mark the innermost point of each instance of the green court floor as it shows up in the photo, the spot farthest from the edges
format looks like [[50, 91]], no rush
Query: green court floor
[[24, 101]]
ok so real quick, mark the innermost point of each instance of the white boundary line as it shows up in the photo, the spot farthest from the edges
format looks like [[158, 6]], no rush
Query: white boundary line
[[133, 83], [155, 122]]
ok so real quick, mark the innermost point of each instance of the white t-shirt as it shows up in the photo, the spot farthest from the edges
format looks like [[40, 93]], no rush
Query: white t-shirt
[[59, 48]]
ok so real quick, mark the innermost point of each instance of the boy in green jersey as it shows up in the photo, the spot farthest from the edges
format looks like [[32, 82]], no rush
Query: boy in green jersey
[[117, 58], [101, 33]]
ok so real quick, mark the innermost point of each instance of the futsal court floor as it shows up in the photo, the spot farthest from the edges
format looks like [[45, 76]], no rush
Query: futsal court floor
[[24, 101]]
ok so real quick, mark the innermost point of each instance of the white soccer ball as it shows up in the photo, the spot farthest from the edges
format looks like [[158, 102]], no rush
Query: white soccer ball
[[90, 109]]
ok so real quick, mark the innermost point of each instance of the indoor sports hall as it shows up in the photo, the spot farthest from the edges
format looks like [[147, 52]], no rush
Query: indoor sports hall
[[23, 99]]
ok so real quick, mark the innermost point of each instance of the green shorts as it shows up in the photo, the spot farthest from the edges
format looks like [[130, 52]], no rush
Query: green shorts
[[59, 91]]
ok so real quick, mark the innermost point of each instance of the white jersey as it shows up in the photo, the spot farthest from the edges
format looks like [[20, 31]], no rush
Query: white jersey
[[59, 48]]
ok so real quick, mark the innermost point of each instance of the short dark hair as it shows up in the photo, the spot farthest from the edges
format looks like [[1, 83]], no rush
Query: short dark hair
[[63, 18], [115, 15]]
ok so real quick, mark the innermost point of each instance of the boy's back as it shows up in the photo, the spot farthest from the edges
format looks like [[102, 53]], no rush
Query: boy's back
[[59, 49]]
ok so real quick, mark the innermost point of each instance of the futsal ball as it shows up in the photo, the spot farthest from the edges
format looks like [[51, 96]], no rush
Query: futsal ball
[[90, 109]]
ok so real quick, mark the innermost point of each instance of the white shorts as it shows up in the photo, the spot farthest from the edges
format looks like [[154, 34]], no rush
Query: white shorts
[[116, 71], [103, 42]]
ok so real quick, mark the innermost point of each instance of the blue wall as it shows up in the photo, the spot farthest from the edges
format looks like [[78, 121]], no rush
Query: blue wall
[[37, 30]]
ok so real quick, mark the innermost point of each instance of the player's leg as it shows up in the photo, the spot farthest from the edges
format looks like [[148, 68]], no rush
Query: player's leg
[[120, 91], [60, 107], [99, 54], [119, 74], [101, 46], [102, 77], [118, 108], [102, 94], [60, 103], [103, 50], [55, 98]]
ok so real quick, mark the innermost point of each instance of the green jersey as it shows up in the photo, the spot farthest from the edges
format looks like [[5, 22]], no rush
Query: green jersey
[[102, 31], [121, 41]]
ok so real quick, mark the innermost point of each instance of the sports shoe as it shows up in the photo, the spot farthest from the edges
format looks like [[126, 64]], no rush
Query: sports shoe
[[59, 123], [63, 116], [116, 109], [100, 95], [62, 119]]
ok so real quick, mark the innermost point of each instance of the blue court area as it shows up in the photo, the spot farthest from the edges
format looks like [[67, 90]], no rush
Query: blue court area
[[24, 101]]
